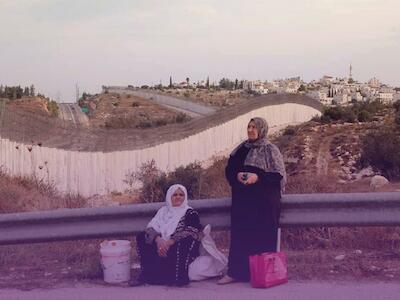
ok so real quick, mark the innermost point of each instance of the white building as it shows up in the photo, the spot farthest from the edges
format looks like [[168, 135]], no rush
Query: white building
[[342, 98], [326, 80], [320, 95], [386, 96], [374, 83], [357, 96]]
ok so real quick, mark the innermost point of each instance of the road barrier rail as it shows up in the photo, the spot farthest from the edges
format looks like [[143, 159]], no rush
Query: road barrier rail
[[298, 210]]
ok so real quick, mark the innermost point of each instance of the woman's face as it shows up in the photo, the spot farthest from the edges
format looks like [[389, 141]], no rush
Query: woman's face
[[177, 197], [252, 132]]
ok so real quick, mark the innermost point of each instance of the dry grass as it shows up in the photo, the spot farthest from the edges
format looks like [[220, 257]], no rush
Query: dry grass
[[20, 194], [311, 251]]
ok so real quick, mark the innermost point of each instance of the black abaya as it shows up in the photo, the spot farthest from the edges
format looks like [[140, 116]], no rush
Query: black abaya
[[173, 269], [255, 214]]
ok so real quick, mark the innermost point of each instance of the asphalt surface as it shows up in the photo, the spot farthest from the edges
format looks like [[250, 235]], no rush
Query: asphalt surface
[[71, 112], [208, 290]]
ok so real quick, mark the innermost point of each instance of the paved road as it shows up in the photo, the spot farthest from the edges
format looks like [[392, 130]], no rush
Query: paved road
[[307, 290], [71, 112]]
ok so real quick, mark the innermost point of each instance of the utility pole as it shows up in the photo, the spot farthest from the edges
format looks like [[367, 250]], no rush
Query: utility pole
[[350, 69], [77, 92], [58, 96]]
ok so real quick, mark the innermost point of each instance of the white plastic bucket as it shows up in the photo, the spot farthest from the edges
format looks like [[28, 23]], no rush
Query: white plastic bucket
[[116, 260]]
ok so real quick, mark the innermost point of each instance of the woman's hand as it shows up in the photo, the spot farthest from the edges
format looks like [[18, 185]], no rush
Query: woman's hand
[[251, 178], [163, 246], [247, 178], [242, 177]]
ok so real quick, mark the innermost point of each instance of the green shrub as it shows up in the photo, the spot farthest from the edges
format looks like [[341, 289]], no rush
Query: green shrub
[[190, 176], [181, 117], [52, 107], [361, 111], [364, 116], [161, 122], [154, 183], [290, 130], [144, 124], [334, 113], [397, 118], [380, 149], [396, 106]]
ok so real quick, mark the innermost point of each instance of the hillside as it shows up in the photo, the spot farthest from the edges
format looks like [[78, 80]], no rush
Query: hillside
[[219, 98], [25, 127], [113, 111], [319, 158]]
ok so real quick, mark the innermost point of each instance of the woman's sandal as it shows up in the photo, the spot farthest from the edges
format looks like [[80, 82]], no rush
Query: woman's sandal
[[226, 280]]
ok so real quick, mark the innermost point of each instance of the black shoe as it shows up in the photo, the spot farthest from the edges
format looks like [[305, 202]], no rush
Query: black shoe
[[135, 282]]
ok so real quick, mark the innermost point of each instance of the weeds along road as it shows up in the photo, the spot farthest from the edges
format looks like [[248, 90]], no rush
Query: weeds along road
[[295, 290]]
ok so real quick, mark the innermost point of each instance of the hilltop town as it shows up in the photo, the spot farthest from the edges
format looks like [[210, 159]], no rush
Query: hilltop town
[[328, 90]]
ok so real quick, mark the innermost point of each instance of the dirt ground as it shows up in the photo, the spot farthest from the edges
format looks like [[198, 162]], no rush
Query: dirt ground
[[127, 111], [46, 271], [213, 97]]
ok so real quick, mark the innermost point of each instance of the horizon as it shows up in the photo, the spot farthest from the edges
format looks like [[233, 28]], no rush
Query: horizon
[[55, 45]]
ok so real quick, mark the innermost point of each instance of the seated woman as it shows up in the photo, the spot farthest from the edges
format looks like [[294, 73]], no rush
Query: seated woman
[[170, 242]]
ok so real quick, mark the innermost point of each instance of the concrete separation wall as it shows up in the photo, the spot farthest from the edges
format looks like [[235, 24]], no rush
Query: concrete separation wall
[[90, 173]]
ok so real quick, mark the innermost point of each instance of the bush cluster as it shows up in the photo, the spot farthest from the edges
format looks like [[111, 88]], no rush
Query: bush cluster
[[396, 107], [16, 92], [380, 149], [154, 183], [52, 107], [358, 111]]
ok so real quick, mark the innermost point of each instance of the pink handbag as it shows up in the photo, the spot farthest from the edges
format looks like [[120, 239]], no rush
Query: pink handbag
[[268, 269]]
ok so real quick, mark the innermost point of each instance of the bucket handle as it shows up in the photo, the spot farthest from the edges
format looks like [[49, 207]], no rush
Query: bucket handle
[[104, 267]]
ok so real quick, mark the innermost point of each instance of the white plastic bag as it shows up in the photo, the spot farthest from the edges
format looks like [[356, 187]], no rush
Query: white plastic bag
[[211, 262]]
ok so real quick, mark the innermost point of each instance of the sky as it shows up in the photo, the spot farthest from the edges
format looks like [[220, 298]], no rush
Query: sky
[[56, 44]]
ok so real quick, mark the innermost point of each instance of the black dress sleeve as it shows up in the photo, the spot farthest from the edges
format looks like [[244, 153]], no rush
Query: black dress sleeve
[[189, 225], [231, 171], [150, 235], [236, 165]]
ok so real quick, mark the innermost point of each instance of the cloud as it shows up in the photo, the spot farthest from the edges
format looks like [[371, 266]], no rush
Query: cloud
[[101, 41]]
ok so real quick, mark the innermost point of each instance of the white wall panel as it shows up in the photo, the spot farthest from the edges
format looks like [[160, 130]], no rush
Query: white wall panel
[[90, 173]]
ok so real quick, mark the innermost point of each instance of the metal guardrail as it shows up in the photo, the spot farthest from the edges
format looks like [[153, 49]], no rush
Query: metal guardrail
[[301, 210]]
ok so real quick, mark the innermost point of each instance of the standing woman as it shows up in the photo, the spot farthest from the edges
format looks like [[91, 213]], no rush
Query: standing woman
[[256, 174], [170, 242]]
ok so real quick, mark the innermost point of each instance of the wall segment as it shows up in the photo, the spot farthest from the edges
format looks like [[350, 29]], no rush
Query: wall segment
[[90, 173]]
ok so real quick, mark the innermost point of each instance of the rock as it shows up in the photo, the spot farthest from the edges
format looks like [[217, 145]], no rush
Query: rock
[[346, 169], [378, 181], [351, 161], [366, 172], [340, 257], [341, 181]]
